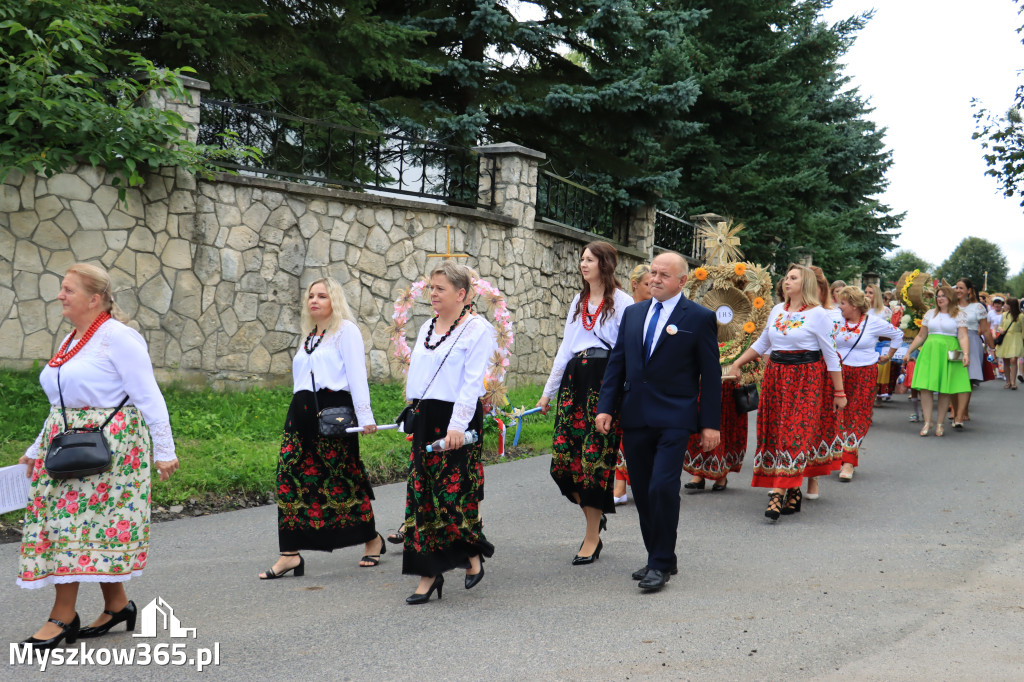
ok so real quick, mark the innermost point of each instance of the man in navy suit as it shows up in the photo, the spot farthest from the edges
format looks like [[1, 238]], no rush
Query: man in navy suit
[[666, 353]]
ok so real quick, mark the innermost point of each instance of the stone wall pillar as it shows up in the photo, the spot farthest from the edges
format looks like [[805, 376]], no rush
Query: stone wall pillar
[[187, 108], [515, 180], [640, 229]]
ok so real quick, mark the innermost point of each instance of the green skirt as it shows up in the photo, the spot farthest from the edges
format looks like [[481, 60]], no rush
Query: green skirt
[[935, 372]]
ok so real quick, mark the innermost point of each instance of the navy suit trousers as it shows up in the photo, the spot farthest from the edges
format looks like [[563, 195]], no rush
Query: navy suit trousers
[[654, 458]]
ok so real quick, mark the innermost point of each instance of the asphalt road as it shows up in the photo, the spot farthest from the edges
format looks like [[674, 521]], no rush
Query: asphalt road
[[914, 571]]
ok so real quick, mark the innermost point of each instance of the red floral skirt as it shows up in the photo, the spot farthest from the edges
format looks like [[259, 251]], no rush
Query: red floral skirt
[[790, 429], [855, 420], [728, 456], [582, 459]]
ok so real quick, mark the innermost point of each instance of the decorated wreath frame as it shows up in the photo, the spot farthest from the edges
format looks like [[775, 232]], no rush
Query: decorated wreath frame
[[495, 390], [750, 286]]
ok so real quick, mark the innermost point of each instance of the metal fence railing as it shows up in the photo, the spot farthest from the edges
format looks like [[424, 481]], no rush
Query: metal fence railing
[[307, 150], [675, 234], [564, 202]]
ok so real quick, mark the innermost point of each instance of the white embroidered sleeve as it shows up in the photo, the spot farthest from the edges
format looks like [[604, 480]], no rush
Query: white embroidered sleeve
[[353, 359], [139, 382], [478, 355], [562, 357], [163, 442], [823, 328], [33, 450], [961, 319]]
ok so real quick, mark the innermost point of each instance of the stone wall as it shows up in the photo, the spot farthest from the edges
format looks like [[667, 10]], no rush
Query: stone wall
[[212, 272]]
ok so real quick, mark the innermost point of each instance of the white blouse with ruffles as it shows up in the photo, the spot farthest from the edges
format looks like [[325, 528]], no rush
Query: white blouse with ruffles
[[811, 329], [112, 364], [460, 379], [339, 363], [575, 338], [975, 313], [864, 353], [942, 323]]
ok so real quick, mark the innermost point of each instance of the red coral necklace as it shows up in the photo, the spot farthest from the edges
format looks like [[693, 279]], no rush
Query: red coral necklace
[[802, 308], [853, 330], [63, 355], [590, 320]]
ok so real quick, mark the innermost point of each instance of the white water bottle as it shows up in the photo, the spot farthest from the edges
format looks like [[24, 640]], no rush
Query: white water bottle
[[438, 444]]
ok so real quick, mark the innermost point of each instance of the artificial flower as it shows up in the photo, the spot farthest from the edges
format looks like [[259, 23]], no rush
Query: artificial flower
[[740, 269], [701, 274]]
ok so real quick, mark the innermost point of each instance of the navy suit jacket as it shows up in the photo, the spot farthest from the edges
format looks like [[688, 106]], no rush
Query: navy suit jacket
[[665, 390]]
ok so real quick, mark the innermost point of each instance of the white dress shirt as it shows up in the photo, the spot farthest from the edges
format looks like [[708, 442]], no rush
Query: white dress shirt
[[339, 363], [113, 364], [666, 312]]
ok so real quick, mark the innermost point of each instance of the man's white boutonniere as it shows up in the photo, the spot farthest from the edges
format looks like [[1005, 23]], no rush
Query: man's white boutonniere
[[671, 330]]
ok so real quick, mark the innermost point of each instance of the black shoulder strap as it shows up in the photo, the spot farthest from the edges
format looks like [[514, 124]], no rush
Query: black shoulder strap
[[863, 329], [64, 413]]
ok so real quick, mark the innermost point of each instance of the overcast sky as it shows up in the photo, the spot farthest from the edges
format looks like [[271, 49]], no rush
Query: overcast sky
[[921, 63]]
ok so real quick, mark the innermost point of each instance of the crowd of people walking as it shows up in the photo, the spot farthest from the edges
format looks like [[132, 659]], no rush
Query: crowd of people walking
[[637, 386]]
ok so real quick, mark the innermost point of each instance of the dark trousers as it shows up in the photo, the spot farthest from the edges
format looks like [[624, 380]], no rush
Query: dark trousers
[[654, 458]]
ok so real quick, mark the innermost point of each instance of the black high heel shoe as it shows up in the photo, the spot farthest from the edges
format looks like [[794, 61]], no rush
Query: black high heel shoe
[[794, 496], [299, 569], [438, 584], [473, 580], [584, 560], [125, 615], [68, 634], [372, 560], [774, 509], [604, 523]]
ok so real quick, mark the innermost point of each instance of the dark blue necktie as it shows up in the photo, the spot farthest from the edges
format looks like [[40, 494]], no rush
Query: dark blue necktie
[[651, 327]]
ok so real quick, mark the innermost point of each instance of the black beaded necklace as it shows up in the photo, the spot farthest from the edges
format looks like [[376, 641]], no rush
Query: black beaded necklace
[[430, 332], [312, 347]]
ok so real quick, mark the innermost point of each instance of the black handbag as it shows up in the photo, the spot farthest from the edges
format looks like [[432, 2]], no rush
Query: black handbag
[[746, 398], [332, 421], [77, 453], [999, 339], [407, 418]]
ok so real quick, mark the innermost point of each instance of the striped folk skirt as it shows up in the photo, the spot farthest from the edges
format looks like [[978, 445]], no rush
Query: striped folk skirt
[[92, 529]]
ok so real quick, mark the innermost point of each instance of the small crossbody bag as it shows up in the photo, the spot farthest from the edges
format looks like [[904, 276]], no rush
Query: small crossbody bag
[[332, 421], [77, 453]]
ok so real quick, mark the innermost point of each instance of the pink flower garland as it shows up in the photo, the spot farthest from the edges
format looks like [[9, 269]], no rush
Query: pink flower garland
[[494, 379]]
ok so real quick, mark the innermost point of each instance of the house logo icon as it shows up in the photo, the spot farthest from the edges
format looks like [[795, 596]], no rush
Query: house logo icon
[[159, 614]]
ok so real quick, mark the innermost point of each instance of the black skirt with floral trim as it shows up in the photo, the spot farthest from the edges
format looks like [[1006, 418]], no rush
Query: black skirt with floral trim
[[323, 494], [443, 494], [583, 460]]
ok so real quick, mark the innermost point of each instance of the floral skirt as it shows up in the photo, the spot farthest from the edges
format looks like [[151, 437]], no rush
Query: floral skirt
[[443, 494], [728, 456], [92, 529], [790, 432], [323, 494], [933, 370], [854, 421], [582, 460]]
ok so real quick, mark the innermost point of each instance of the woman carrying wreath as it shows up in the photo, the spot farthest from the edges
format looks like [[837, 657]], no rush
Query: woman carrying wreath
[[323, 494], [583, 460], [96, 528], [856, 341], [445, 487], [799, 335]]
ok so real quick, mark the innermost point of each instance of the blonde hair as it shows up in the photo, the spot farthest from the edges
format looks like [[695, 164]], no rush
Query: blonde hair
[[875, 302], [638, 274], [96, 281], [953, 309], [808, 285], [461, 276], [339, 306], [854, 297]]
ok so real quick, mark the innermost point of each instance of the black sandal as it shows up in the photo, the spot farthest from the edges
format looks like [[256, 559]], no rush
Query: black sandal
[[372, 560], [398, 537], [299, 568], [774, 509], [794, 496]]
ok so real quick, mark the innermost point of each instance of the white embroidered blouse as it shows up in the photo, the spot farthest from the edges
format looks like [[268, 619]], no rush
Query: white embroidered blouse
[[575, 338], [339, 363], [460, 379], [863, 352], [811, 329], [976, 312], [112, 364], [942, 323]]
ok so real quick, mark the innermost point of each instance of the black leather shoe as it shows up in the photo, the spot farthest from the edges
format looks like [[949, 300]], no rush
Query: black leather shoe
[[68, 634], [584, 560], [693, 485], [438, 584], [125, 615], [640, 574], [473, 580], [654, 580]]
